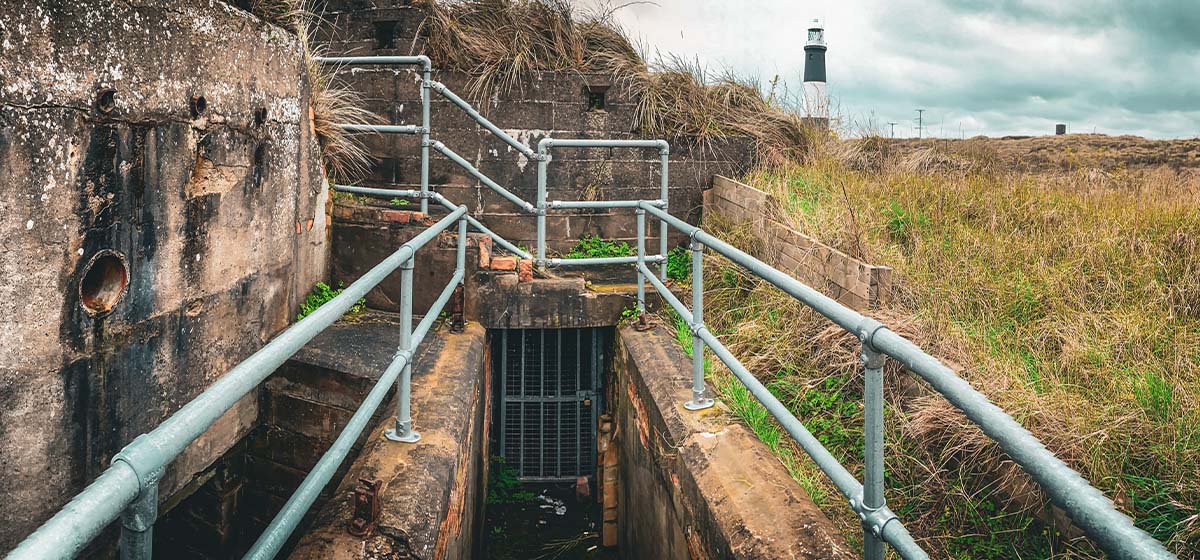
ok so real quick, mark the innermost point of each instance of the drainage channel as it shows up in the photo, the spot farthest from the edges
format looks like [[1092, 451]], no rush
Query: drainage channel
[[542, 481]]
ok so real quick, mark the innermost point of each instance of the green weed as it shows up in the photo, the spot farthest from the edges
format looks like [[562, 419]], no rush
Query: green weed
[[321, 294], [679, 264], [595, 247]]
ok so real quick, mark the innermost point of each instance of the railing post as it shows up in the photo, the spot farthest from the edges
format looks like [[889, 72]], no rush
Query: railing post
[[873, 360], [403, 431], [641, 255], [665, 154], [425, 142], [137, 524], [543, 160], [699, 401]]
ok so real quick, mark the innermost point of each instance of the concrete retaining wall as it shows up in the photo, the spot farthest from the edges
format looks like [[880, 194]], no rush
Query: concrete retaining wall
[[699, 485], [552, 104], [219, 219], [852, 282]]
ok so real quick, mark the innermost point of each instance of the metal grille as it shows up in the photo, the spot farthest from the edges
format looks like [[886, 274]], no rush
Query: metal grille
[[549, 391]]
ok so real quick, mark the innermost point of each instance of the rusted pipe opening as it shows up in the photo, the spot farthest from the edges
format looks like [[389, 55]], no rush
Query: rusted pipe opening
[[104, 281], [198, 105], [106, 100]]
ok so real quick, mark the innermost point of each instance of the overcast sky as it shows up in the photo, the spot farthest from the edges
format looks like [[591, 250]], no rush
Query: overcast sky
[[991, 67]]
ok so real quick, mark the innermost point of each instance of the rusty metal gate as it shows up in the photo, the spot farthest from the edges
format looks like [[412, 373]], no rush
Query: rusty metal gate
[[550, 398]]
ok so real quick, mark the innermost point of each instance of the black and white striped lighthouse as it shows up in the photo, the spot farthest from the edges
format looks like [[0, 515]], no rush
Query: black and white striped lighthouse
[[816, 96]]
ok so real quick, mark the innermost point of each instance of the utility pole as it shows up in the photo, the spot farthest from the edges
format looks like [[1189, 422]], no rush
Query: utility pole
[[893, 125], [920, 122]]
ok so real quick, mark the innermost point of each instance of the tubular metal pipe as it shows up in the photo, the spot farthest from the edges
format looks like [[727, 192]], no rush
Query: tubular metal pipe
[[873, 497], [699, 401], [435, 310], [542, 161], [277, 533], [285, 522], [474, 114], [460, 261], [425, 124], [662, 226], [1087, 506], [641, 260], [419, 60], [602, 260], [484, 229], [137, 525], [381, 193], [841, 315], [403, 431], [1090, 509], [600, 143], [102, 501], [78, 522], [383, 128], [482, 178], [570, 204]]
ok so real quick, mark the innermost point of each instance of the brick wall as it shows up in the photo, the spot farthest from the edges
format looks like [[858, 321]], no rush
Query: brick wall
[[850, 281], [552, 104]]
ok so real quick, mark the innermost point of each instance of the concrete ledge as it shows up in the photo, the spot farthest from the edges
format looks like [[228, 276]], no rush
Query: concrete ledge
[[698, 484], [433, 491], [849, 280]]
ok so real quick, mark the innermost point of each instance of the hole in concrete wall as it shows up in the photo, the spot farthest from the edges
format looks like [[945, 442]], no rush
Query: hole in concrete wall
[[260, 116], [104, 281], [385, 34], [198, 105], [260, 165], [106, 100], [595, 97]]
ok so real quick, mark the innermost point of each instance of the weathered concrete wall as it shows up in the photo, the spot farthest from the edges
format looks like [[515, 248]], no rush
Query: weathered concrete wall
[[696, 484], [553, 104], [219, 219], [365, 234], [851, 281], [433, 491]]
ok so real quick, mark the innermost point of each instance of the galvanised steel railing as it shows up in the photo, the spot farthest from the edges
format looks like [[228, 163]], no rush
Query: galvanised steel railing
[[129, 489], [1088, 508]]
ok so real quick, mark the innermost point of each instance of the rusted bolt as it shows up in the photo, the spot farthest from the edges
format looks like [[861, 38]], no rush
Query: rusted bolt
[[260, 116], [103, 282], [366, 506], [106, 100], [198, 105]]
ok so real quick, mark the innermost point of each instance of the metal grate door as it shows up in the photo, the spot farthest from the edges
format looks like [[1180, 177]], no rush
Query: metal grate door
[[549, 386]]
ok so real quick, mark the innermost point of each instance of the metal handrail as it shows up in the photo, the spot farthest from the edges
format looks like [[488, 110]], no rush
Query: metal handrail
[[1088, 508], [129, 487]]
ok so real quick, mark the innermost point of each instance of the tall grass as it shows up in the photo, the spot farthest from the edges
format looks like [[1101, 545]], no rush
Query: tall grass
[[1072, 304], [332, 102], [504, 44]]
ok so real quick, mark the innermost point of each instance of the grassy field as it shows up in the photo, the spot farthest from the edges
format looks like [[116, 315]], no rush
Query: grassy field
[[1070, 297]]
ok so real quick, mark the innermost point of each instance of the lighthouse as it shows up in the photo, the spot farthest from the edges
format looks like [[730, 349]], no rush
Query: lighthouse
[[816, 96]]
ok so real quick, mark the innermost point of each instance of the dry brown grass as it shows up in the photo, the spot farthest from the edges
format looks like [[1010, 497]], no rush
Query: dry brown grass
[[331, 101], [505, 43], [1069, 298]]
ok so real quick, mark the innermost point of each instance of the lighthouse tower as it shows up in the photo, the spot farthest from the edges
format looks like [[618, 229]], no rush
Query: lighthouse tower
[[816, 96]]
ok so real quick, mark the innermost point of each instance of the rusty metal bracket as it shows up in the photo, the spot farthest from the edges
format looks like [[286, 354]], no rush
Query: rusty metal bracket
[[366, 507]]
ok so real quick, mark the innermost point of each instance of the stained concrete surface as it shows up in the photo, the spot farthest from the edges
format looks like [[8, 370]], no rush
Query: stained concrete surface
[[433, 490], [699, 484], [220, 220]]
